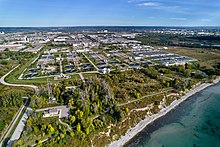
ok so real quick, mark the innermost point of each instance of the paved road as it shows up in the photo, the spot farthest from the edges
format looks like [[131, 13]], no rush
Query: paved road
[[2, 80], [23, 120], [82, 78], [97, 116], [17, 133], [20, 77], [90, 61], [69, 128], [12, 126], [19, 129], [42, 141], [87, 72]]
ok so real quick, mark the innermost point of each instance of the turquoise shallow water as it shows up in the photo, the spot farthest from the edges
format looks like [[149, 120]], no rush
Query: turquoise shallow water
[[194, 123]]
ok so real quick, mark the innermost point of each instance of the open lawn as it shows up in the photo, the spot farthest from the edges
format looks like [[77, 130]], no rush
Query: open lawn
[[23, 90]]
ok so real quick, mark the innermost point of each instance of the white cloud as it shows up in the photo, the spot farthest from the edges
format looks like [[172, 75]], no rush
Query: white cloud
[[150, 4], [179, 18], [136, 1], [160, 6]]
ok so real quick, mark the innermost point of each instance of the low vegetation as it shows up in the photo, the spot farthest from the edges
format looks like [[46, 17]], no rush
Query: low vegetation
[[106, 106], [11, 97]]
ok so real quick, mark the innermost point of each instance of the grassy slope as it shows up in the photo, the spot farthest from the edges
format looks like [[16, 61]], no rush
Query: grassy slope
[[6, 115]]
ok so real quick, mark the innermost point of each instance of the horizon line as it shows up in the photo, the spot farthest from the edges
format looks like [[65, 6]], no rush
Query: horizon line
[[63, 26]]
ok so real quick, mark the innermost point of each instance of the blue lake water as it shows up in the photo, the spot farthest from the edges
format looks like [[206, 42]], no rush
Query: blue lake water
[[194, 123]]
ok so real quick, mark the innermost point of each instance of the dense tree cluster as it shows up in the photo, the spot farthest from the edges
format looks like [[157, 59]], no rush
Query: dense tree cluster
[[92, 105], [41, 127], [89, 105], [11, 99], [8, 60], [179, 40], [21, 57], [131, 84]]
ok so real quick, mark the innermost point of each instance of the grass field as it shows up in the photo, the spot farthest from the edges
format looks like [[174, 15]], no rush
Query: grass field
[[6, 115], [206, 57], [87, 75]]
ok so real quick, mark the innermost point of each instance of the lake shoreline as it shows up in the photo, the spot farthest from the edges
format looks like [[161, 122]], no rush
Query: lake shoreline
[[144, 123]]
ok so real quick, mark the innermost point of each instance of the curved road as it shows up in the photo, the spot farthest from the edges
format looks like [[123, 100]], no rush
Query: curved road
[[25, 116], [2, 80]]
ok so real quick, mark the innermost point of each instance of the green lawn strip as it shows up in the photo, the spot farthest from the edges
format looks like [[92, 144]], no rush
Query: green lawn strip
[[38, 81], [16, 73], [75, 76], [87, 75], [15, 126], [18, 120]]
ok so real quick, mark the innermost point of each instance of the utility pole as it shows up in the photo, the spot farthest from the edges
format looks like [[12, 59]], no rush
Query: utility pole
[[50, 90]]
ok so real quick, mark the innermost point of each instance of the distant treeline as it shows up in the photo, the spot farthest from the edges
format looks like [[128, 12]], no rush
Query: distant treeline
[[208, 38], [180, 40]]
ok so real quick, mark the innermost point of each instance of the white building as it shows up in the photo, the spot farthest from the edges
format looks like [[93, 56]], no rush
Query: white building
[[51, 112]]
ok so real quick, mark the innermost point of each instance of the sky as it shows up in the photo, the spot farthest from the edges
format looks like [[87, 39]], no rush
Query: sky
[[109, 13]]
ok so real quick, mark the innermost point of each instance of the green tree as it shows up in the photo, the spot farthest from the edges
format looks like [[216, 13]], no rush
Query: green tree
[[62, 136], [79, 114], [78, 128], [71, 103], [36, 130], [82, 135], [72, 134], [87, 130], [187, 73], [39, 142], [29, 122], [56, 92], [126, 110], [72, 119]]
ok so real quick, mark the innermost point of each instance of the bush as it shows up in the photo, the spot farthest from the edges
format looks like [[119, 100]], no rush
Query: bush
[[4, 62]]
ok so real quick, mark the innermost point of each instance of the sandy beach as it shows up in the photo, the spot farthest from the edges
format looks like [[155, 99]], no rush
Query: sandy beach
[[142, 124]]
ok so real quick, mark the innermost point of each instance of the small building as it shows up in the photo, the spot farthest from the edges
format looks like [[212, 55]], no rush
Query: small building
[[51, 112], [105, 70], [137, 58]]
